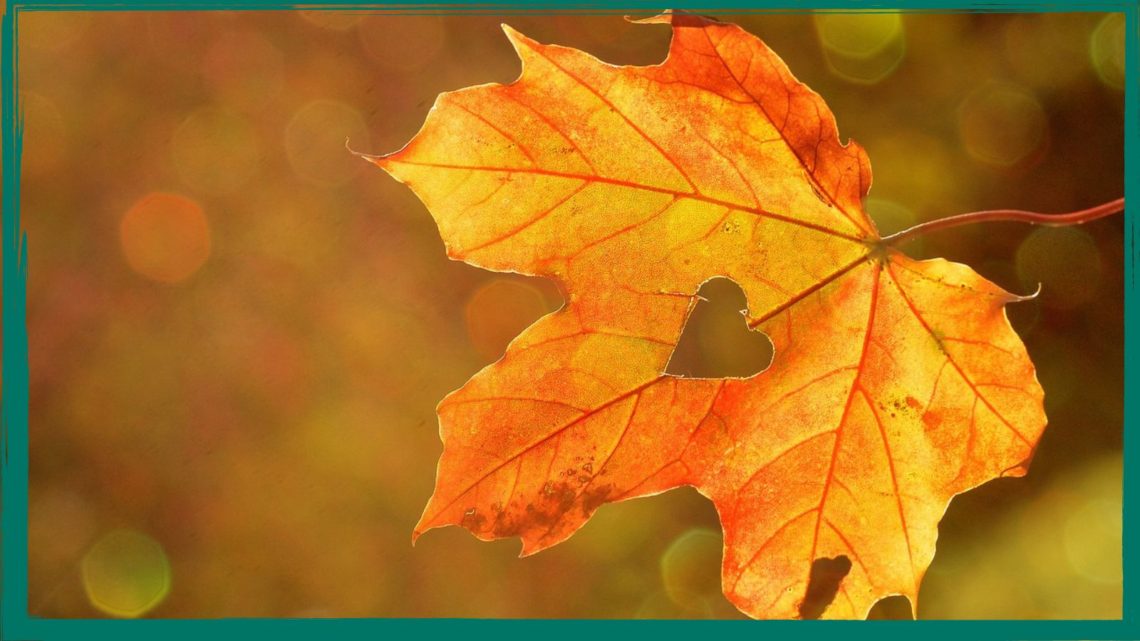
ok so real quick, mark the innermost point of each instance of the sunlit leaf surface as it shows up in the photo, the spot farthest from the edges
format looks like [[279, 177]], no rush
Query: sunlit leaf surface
[[895, 385]]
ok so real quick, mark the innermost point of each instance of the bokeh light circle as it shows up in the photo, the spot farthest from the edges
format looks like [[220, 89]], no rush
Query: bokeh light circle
[[499, 311], [864, 48], [125, 574], [1093, 541], [690, 567], [314, 142], [858, 35], [165, 237], [215, 151], [1001, 124], [1065, 261], [1106, 50]]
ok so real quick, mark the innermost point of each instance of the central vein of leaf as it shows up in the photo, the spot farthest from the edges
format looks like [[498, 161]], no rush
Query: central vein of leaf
[[855, 386]]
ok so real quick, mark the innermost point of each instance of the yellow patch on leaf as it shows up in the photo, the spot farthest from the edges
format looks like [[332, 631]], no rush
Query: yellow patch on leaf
[[895, 385]]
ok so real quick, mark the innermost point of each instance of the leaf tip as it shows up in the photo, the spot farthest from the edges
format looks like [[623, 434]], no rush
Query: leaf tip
[[665, 17], [517, 38], [376, 160], [529, 548], [423, 524], [1027, 297], [676, 18]]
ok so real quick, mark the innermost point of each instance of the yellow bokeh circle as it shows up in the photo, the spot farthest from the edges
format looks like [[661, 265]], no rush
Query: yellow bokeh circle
[[690, 566], [858, 35], [125, 574], [1106, 50], [864, 48], [1093, 541]]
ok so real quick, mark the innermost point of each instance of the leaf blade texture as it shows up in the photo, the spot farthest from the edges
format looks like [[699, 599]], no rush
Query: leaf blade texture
[[895, 385]]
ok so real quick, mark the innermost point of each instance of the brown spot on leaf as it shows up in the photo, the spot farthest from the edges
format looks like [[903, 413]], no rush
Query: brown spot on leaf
[[473, 520], [594, 497], [823, 585], [506, 526], [556, 500]]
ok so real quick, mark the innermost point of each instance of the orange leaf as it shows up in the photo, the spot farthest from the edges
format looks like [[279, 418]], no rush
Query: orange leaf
[[896, 384]]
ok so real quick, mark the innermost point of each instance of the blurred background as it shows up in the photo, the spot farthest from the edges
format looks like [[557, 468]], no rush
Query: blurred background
[[239, 332]]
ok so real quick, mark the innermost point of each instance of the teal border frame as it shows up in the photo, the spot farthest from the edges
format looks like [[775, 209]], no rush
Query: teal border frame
[[16, 623]]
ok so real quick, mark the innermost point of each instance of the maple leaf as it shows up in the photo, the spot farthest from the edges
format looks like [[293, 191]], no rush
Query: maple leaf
[[895, 385]]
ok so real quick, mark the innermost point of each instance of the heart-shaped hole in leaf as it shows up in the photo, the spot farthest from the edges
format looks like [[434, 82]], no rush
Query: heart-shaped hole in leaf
[[717, 342]]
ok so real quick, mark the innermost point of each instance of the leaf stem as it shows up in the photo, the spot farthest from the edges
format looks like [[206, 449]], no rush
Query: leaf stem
[[1016, 215]]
